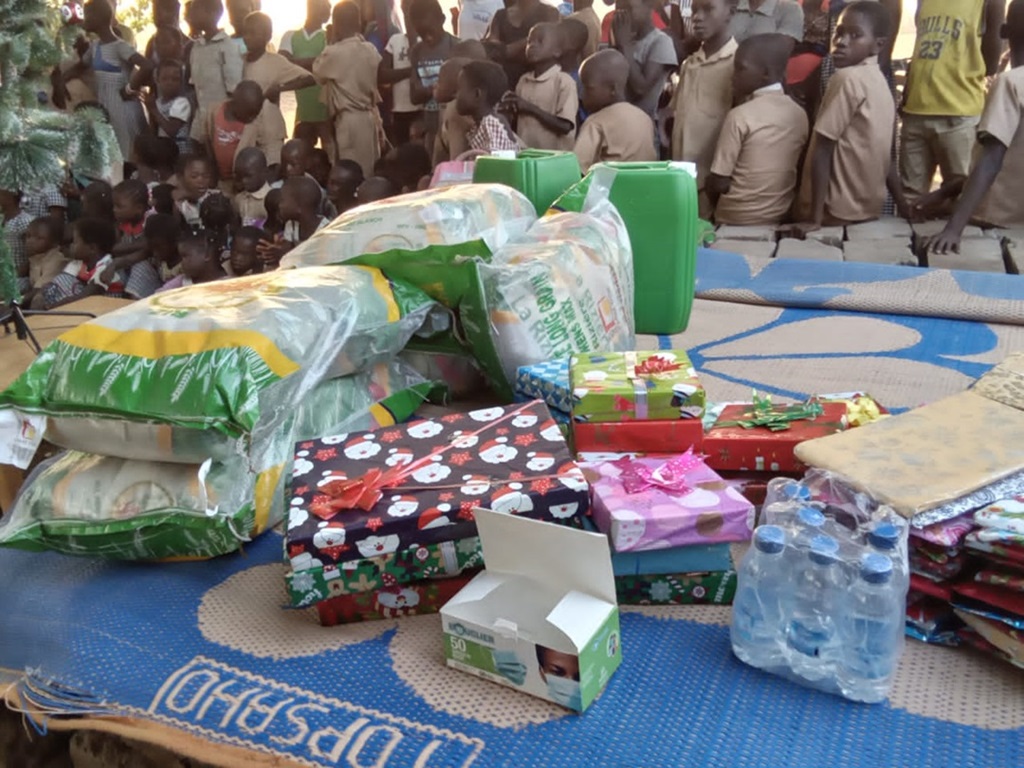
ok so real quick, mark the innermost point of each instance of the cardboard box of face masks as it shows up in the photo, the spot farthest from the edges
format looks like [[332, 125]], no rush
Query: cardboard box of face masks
[[542, 618]]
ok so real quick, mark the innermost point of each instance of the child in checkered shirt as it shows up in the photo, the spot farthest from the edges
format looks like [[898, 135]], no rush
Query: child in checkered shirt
[[482, 84], [15, 223]]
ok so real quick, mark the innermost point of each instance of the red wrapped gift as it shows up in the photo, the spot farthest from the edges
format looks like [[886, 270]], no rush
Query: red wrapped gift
[[657, 436], [737, 442], [411, 599], [753, 486]]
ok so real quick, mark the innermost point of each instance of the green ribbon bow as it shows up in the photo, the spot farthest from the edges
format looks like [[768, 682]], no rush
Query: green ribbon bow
[[775, 418]]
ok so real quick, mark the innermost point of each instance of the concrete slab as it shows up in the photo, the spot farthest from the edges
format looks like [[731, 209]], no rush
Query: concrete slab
[[880, 229], [760, 234], [759, 249], [977, 254], [807, 249], [1013, 252], [833, 236], [929, 228], [892, 250]]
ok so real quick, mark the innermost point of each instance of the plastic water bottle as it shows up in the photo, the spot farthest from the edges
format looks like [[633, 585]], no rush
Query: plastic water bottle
[[811, 636], [809, 523], [758, 610], [871, 632], [886, 539]]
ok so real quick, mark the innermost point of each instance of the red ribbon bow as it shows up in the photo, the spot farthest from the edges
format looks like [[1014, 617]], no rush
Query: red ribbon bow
[[656, 364], [358, 493]]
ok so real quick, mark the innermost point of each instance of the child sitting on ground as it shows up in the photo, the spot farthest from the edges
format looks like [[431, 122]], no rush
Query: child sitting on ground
[[481, 87], [319, 166], [847, 166], [300, 198], [296, 158], [408, 167], [992, 193], [546, 100], [45, 259], [251, 181], [615, 130], [274, 225], [131, 203], [704, 95], [195, 177], [162, 235], [245, 259], [200, 262], [90, 252], [154, 158], [753, 174], [219, 219], [375, 188], [342, 184]]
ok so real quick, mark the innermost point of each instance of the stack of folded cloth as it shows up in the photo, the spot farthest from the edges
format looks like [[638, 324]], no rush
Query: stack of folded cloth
[[381, 523], [992, 604], [938, 560], [670, 522]]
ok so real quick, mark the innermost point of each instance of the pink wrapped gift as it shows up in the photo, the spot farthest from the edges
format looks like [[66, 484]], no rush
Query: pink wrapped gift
[[656, 503]]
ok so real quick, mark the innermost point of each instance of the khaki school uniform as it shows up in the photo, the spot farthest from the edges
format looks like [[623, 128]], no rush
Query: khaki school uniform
[[348, 72], [267, 133], [618, 133], [700, 104], [452, 136], [272, 69], [593, 24], [1002, 121], [43, 267], [759, 150], [216, 70], [251, 206], [857, 112], [554, 92]]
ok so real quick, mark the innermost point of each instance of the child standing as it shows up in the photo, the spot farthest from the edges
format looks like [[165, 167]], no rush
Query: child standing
[[546, 100], [847, 167], [302, 46], [615, 130], [992, 192], [753, 174], [451, 138], [583, 11], [251, 182], [82, 277], [16, 222], [426, 59], [170, 113], [244, 120], [650, 52], [215, 62], [114, 63], [348, 70], [396, 73], [270, 71], [481, 87], [704, 96]]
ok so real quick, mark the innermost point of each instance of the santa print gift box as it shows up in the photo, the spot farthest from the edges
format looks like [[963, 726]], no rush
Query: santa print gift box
[[762, 436], [369, 494]]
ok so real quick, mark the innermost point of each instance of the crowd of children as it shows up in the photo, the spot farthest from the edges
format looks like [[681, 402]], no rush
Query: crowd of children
[[212, 186]]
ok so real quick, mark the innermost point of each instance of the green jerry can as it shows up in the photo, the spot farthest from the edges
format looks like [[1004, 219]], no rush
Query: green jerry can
[[539, 174], [658, 202]]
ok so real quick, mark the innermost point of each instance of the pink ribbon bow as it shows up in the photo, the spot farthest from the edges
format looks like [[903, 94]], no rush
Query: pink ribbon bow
[[670, 476]]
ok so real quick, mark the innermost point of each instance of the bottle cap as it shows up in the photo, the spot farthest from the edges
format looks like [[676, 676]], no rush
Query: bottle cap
[[795, 491], [824, 550], [875, 568], [770, 539], [810, 517], [884, 536]]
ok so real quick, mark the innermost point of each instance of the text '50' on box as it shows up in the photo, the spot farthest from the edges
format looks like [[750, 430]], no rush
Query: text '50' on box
[[543, 617]]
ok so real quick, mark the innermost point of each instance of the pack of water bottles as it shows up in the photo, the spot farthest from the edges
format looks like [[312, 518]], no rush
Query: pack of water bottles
[[821, 595]]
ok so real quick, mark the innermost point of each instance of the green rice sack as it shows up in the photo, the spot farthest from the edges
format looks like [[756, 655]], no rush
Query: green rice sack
[[82, 503], [187, 375]]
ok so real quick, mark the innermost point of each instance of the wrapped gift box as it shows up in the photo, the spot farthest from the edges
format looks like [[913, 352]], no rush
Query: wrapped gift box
[[369, 494], [730, 445], [624, 386], [658, 436], [446, 558], [394, 602], [716, 588], [548, 382], [654, 503], [695, 558], [560, 417]]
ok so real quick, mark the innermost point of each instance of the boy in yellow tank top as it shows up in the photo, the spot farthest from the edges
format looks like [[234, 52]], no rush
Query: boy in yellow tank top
[[957, 45]]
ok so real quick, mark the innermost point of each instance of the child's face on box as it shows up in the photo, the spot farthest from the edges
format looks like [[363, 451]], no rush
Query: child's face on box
[[854, 40], [559, 664], [710, 18]]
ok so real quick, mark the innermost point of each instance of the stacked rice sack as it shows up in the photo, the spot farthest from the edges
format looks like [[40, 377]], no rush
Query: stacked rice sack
[[180, 412], [523, 290]]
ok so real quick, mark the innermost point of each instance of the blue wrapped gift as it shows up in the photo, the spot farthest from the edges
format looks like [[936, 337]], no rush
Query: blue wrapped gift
[[698, 558], [547, 381], [558, 416]]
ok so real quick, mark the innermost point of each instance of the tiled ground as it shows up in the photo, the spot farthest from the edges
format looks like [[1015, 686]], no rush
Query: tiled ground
[[886, 241]]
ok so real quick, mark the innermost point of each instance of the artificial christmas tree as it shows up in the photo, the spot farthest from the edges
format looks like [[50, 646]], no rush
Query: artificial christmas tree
[[37, 142]]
